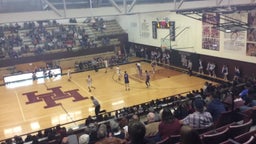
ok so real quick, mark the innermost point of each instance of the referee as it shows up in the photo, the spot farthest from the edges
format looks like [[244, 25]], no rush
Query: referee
[[96, 105]]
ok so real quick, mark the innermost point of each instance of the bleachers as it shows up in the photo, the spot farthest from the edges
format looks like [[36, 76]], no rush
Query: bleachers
[[234, 129], [41, 47], [112, 28]]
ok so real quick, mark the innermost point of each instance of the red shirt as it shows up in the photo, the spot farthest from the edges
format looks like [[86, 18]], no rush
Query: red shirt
[[169, 128]]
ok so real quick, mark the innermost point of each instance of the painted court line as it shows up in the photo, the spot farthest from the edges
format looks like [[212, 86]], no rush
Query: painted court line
[[20, 107]]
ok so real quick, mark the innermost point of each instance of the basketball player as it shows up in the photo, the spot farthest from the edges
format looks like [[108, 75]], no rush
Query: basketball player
[[69, 74], [126, 81], [89, 83], [106, 65], [138, 66], [153, 65], [118, 72], [147, 79]]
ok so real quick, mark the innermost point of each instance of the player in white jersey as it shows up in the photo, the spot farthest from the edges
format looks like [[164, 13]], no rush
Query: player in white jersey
[[69, 74], [89, 83], [118, 72], [106, 65]]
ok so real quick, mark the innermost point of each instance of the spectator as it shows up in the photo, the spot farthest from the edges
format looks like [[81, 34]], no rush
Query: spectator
[[89, 120], [123, 123], [137, 131], [135, 117], [151, 125], [28, 138], [39, 134], [182, 110], [102, 135], [18, 140], [84, 139], [244, 93], [102, 132], [200, 119], [234, 101], [115, 129], [215, 107], [189, 135], [169, 125], [93, 127]]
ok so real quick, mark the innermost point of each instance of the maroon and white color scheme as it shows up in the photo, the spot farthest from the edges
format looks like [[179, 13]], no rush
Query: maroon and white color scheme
[[211, 36], [53, 96]]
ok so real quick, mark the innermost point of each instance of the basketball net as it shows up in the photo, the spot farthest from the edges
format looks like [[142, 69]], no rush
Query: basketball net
[[165, 44]]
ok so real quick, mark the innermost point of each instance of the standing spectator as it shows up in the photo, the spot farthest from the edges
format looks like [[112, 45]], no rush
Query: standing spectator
[[200, 119], [96, 105], [200, 68], [190, 67], [224, 71], [208, 68], [126, 81], [169, 125], [147, 79], [89, 83], [237, 73], [212, 70]]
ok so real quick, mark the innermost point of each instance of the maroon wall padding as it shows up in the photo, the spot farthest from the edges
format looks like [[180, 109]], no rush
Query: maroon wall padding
[[246, 69]]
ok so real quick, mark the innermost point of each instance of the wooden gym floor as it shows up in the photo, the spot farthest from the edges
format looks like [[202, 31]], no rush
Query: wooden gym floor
[[40, 104]]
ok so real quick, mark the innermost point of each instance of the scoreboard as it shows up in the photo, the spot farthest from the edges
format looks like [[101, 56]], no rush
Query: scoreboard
[[164, 25]]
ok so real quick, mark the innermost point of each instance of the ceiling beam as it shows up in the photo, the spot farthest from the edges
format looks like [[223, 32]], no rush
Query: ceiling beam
[[65, 8], [53, 7], [116, 6], [132, 5], [218, 2], [180, 4]]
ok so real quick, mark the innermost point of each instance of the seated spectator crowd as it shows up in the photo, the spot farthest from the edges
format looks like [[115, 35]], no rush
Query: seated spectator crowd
[[98, 62], [198, 116], [40, 37]]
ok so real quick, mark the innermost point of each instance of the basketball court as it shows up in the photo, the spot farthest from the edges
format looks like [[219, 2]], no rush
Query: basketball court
[[47, 102]]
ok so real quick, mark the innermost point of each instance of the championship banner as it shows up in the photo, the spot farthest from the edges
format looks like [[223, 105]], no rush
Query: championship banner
[[211, 35]]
